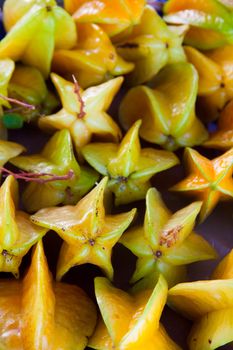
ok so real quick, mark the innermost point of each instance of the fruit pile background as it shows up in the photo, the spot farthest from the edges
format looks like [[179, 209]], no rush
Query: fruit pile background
[[216, 228]]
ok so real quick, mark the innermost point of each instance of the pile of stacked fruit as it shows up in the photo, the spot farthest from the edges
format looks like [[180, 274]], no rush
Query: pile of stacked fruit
[[93, 181]]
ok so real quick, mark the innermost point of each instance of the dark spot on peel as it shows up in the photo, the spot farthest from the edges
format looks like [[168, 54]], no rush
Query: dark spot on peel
[[92, 242], [129, 46], [158, 254], [48, 8], [222, 85], [209, 341]]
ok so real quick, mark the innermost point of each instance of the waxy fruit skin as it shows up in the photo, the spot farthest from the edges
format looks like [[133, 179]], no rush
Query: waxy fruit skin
[[165, 243], [39, 314], [93, 60], [209, 180], [223, 138], [210, 22], [57, 159], [129, 167], [130, 322], [89, 233], [215, 69], [168, 110], [114, 17], [210, 305], [94, 119], [17, 233], [151, 45], [39, 27]]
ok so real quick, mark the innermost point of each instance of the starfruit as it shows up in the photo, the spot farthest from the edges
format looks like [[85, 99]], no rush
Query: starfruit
[[114, 17], [210, 305], [93, 60], [166, 242], [168, 110], [39, 27], [223, 137], [215, 69], [89, 233], [9, 150], [17, 233], [84, 112], [129, 167], [70, 181], [130, 322], [37, 313], [151, 46], [210, 22], [208, 180]]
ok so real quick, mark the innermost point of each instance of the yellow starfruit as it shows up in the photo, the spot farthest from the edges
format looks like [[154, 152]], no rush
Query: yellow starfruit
[[89, 233], [37, 313], [70, 181], [209, 180], [151, 46], [210, 305], [84, 112], [168, 110], [36, 29], [210, 22], [215, 70], [166, 242], [17, 233], [93, 60], [9, 150], [114, 17], [130, 322], [223, 137], [129, 167]]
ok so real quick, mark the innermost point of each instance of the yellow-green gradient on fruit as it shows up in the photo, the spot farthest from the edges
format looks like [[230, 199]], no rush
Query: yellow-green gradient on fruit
[[40, 314], [168, 110], [210, 22], [208, 180], [165, 243], [89, 233], [210, 305], [129, 166], [91, 119], [57, 159], [130, 322], [17, 233], [36, 29], [151, 45]]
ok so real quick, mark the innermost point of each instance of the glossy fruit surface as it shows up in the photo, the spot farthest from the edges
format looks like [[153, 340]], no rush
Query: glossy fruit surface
[[129, 166], [151, 46], [166, 242], [37, 313], [210, 22], [208, 180], [84, 114], [210, 305], [93, 60], [89, 233], [168, 110], [130, 322]]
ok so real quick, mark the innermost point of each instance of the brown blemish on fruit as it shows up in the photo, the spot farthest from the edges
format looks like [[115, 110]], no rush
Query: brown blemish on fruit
[[209, 341], [169, 238], [158, 254], [129, 46], [49, 8], [92, 242]]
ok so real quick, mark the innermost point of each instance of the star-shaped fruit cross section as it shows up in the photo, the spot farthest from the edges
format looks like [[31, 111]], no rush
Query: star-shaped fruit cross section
[[129, 167], [209, 180], [17, 233], [210, 305], [166, 242], [89, 233], [37, 313], [84, 113], [69, 181], [223, 137], [36, 28], [168, 110], [130, 322]]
